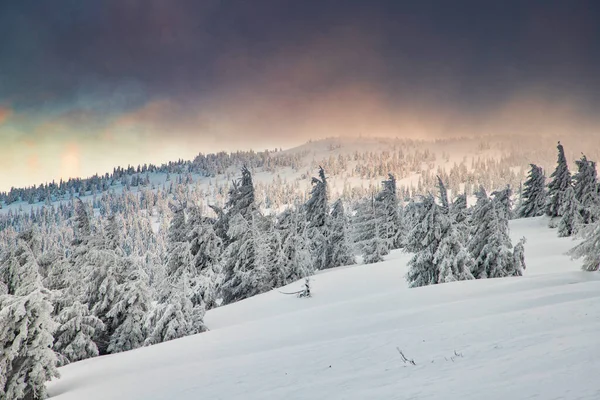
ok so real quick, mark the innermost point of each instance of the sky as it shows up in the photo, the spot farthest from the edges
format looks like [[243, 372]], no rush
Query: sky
[[86, 86]]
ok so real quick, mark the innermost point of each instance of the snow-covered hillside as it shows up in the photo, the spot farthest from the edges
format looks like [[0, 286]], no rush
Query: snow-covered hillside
[[355, 168], [512, 338]]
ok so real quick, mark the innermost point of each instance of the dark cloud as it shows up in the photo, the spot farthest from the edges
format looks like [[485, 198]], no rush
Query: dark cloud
[[274, 72]]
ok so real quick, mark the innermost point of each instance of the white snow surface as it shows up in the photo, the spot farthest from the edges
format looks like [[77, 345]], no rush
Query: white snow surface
[[531, 337]]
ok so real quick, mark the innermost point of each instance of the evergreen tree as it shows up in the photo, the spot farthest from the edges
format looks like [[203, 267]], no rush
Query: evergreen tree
[[588, 250], [369, 235], [519, 257], [175, 317], [459, 215], [317, 216], [294, 260], [243, 276], [424, 240], [585, 189], [443, 195], [205, 247], [339, 244], [561, 180], [128, 313], [75, 333], [533, 201], [490, 243], [389, 213], [453, 260], [570, 220], [27, 360]]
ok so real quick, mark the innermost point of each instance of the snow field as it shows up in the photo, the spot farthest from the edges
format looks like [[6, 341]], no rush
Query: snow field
[[511, 338]]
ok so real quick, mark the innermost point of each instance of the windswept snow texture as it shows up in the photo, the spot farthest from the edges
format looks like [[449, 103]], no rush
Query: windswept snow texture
[[514, 338]]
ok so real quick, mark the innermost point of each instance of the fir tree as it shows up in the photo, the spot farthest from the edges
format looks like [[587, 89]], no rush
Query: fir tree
[[389, 213], [570, 220], [585, 189], [128, 314], [588, 250], [339, 244], [424, 240], [205, 247], [453, 260], [75, 333], [369, 235], [317, 216], [27, 360], [533, 200], [560, 181], [175, 317], [490, 243], [294, 259], [243, 276], [443, 195]]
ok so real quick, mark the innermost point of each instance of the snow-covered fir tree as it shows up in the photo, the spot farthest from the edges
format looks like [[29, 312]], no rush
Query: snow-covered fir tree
[[27, 360], [369, 233], [533, 199], [459, 214], [205, 247], [490, 243], [129, 311], [588, 250], [339, 241], [560, 181], [585, 188], [443, 195], [316, 210], [293, 257], [388, 210], [453, 260], [73, 339], [243, 274], [440, 254], [424, 240], [175, 316], [571, 219]]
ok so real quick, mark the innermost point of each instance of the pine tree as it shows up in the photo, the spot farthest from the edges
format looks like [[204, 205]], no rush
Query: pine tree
[[443, 195], [27, 360], [205, 247], [175, 316], [570, 220], [459, 215], [316, 210], [534, 196], [369, 235], [586, 191], [75, 333], [561, 180], [453, 260], [243, 276], [128, 314], [490, 243], [588, 250], [339, 243], [293, 255], [424, 240], [389, 213]]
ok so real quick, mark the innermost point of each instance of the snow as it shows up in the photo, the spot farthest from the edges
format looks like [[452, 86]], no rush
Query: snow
[[511, 338]]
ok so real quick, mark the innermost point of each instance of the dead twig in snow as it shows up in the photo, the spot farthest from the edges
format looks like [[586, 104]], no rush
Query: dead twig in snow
[[404, 358]]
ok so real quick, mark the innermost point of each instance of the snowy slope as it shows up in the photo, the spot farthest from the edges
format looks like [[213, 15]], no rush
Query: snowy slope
[[514, 338]]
